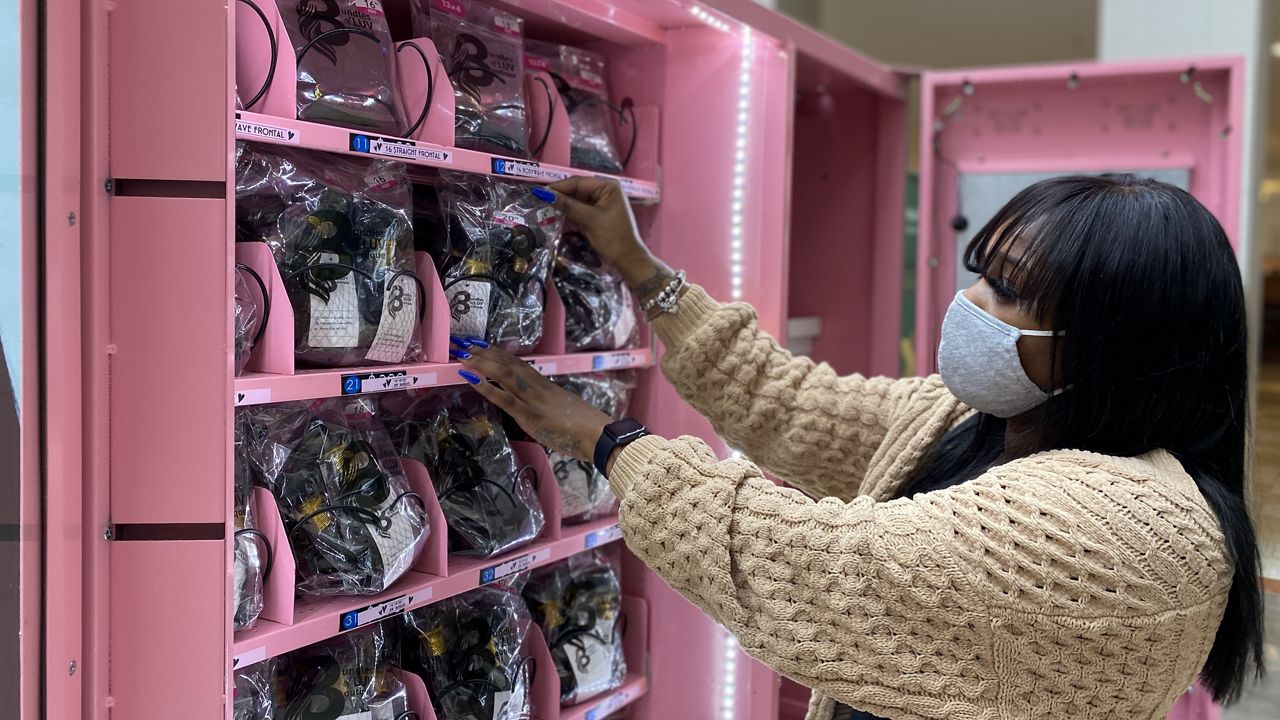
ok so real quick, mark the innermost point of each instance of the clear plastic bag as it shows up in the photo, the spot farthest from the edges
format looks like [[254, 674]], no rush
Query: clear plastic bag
[[578, 604], [584, 493], [349, 677], [579, 76], [498, 258], [345, 58], [250, 317], [254, 690], [252, 551], [489, 500], [340, 231], [483, 53], [468, 649], [600, 313], [354, 523]]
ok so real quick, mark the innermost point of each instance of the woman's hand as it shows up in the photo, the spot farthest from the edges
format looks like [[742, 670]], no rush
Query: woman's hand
[[600, 209], [550, 414]]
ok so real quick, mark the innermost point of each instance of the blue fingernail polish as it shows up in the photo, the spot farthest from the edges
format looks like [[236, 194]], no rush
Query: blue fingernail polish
[[470, 377], [460, 354], [477, 342], [460, 342], [543, 194]]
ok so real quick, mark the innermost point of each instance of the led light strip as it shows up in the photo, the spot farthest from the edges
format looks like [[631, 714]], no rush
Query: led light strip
[[709, 19], [740, 162], [729, 690]]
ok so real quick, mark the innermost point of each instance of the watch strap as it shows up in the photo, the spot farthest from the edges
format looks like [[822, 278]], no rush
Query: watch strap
[[616, 434]]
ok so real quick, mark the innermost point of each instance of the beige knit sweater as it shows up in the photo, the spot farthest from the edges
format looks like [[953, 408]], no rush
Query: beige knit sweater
[[1062, 585]]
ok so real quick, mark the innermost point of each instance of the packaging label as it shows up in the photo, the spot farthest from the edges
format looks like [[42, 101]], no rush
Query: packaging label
[[600, 537], [394, 544], [501, 705], [591, 663], [271, 133], [368, 7], [453, 7], [335, 323], [399, 317], [469, 308], [507, 23], [534, 62]]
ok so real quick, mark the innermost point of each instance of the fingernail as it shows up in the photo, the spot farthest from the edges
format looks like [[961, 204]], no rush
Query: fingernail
[[478, 342], [460, 354], [470, 377], [460, 342], [543, 194]]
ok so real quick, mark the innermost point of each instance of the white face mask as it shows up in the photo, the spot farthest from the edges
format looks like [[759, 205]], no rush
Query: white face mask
[[979, 363]]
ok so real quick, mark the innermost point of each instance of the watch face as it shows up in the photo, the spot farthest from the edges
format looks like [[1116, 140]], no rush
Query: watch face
[[626, 428]]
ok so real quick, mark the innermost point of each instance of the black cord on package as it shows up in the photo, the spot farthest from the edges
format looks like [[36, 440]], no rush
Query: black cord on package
[[468, 649], [483, 53], [250, 315], [584, 492], [347, 678], [339, 229], [578, 605], [579, 76], [253, 548], [255, 692], [343, 52], [600, 313], [489, 500], [353, 521], [500, 243]]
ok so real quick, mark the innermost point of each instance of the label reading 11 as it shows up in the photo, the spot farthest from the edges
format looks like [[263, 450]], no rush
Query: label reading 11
[[373, 613]]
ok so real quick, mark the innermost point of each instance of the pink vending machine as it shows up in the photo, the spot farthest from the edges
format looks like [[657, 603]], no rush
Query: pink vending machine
[[765, 159]]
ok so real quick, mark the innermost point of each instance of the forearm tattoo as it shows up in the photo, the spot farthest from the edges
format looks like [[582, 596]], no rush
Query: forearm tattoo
[[654, 285]]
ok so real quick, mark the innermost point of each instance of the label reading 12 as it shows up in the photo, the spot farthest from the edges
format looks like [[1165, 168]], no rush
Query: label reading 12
[[385, 382], [373, 613], [526, 169], [600, 537]]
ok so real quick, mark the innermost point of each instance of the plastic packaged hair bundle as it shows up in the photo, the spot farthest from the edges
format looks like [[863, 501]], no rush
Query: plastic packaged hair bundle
[[497, 259], [469, 649], [344, 58], [349, 677], [600, 313], [250, 315], [578, 605], [254, 690], [489, 500], [340, 231], [483, 53], [353, 521], [252, 547], [579, 76], [584, 493]]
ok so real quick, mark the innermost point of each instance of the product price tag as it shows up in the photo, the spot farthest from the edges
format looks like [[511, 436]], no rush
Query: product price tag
[[386, 382], [614, 361], [611, 704], [601, 537], [251, 397], [249, 657], [526, 169], [373, 613], [399, 148], [251, 130], [369, 7]]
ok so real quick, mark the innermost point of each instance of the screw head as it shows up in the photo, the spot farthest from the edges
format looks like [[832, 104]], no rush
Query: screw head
[[108, 533], [71, 670], [71, 218], [109, 186]]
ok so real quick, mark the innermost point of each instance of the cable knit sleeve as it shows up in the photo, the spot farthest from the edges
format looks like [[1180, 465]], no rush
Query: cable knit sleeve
[[1006, 596], [795, 418]]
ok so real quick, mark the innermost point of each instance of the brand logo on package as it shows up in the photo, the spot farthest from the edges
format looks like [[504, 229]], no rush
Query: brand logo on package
[[399, 148]]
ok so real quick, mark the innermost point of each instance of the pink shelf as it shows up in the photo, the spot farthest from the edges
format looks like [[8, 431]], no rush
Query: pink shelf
[[320, 620], [634, 688], [262, 388], [284, 131]]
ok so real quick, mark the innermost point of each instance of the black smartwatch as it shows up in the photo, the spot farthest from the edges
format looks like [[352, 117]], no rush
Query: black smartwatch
[[616, 435]]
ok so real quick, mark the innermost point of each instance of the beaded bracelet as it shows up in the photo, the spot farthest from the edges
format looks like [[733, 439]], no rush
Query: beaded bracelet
[[666, 301]]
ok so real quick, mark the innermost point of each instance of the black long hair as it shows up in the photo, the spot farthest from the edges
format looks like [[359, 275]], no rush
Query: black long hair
[[1143, 288]]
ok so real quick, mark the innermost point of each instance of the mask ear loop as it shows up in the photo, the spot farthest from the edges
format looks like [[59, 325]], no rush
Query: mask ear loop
[[266, 302], [275, 49]]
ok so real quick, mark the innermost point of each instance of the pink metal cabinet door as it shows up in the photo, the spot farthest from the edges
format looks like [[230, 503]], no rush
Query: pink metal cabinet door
[[1172, 115]]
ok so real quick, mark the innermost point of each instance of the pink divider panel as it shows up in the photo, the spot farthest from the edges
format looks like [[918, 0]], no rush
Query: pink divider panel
[[169, 624], [170, 361], [435, 322], [412, 80], [419, 701], [434, 559], [278, 596], [548, 118], [545, 695], [644, 161], [533, 454], [253, 60], [553, 321], [635, 638], [274, 353]]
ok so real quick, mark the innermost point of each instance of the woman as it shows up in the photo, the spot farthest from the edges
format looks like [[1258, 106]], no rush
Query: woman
[[1054, 528]]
